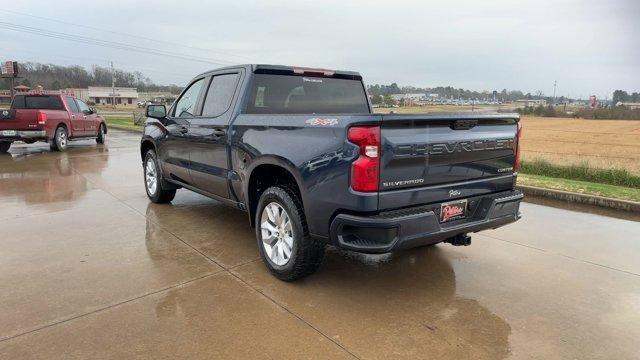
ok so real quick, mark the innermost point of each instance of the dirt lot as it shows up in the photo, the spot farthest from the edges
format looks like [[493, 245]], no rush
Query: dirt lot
[[601, 143]]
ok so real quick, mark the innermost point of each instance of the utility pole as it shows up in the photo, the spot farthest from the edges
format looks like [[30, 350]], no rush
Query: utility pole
[[12, 85], [555, 84], [113, 86]]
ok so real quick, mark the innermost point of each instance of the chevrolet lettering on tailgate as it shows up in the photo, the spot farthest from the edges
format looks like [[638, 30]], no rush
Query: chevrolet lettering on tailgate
[[453, 147]]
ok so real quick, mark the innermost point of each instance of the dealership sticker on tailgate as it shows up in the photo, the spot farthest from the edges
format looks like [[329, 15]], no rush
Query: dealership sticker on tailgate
[[453, 210]]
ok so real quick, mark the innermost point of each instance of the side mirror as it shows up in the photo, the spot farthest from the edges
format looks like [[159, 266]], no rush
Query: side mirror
[[156, 111], [93, 110]]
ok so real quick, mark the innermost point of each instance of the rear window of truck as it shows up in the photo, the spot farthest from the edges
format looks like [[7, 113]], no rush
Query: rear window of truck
[[37, 102], [291, 94]]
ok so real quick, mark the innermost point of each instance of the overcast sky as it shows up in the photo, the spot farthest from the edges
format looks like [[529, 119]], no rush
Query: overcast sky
[[589, 47]]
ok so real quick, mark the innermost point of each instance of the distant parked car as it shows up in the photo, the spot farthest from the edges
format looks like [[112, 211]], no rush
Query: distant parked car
[[54, 118]]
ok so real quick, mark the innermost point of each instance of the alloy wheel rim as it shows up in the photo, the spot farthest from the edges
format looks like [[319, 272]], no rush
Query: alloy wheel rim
[[62, 139], [151, 177], [277, 234]]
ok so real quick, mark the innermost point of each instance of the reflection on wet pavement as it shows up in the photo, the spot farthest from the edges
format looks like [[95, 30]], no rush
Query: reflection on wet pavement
[[90, 268]]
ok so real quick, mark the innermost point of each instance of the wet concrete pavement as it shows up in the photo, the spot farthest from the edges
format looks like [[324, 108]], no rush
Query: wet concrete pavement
[[89, 268]]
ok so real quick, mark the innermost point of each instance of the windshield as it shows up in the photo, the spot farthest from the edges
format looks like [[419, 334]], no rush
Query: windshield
[[289, 94]]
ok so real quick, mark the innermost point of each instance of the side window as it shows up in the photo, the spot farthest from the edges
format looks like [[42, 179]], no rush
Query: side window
[[187, 103], [71, 103], [84, 108], [220, 94]]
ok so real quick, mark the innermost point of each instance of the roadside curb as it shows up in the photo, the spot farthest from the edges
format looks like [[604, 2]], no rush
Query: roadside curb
[[617, 204]]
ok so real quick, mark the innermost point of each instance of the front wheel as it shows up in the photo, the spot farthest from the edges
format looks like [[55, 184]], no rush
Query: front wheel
[[102, 134], [60, 139], [4, 146], [153, 180], [283, 239]]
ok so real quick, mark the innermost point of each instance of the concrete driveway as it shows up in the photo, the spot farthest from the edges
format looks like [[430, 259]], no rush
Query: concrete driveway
[[89, 268]]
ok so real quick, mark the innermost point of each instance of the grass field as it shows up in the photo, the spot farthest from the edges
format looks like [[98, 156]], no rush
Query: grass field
[[605, 144], [121, 122], [582, 187]]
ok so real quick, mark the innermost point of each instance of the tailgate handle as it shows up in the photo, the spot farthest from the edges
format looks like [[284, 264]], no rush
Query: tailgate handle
[[463, 124]]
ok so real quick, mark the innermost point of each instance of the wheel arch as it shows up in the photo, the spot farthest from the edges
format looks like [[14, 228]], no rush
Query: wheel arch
[[145, 146], [267, 172]]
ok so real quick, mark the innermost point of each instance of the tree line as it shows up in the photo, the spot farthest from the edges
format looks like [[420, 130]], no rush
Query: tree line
[[449, 92], [56, 77], [623, 96]]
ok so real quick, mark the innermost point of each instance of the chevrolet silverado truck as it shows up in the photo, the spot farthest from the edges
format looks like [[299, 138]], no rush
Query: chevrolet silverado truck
[[50, 117], [300, 151]]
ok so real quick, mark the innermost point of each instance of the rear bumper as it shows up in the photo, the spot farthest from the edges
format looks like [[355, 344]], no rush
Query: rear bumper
[[15, 135], [419, 226]]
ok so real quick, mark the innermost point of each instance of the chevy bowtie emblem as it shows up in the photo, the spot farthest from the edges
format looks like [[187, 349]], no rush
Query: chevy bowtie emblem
[[5, 113]]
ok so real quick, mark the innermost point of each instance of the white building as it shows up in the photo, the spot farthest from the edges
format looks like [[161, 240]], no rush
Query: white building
[[630, 105], [525, 102], [82, 94], [104, 95]]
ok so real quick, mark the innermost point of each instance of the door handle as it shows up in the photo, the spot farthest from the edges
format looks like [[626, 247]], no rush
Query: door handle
[[218, 132], [184, 129], [73, 116]]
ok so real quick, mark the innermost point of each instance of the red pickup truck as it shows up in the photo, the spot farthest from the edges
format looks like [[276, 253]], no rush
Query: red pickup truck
[[54, 118]]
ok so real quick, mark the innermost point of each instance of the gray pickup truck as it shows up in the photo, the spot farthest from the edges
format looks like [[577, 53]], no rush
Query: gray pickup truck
[[300, 151]]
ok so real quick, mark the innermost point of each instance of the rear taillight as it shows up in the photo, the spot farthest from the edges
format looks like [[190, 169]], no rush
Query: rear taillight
[[42, 117], [365, 171], [517, 163]]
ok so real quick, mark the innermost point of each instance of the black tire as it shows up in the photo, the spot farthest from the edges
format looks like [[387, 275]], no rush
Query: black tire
[[60, 139], [4, 146], [306, 252], [102, 135], [159, 194]]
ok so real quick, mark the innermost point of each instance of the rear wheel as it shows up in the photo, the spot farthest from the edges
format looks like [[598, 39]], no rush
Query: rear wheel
[[283, 239], [60, 139], [102, 135], [4, 146], [153, 181]]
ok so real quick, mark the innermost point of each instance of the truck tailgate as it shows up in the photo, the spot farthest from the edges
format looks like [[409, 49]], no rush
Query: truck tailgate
[[436, 157], [18, 119]]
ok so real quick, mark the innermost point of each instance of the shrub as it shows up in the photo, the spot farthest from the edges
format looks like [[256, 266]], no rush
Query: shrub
[[617, 112]]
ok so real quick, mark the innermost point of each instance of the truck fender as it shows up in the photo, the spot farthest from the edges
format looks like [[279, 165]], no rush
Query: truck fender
[[277, 161]]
